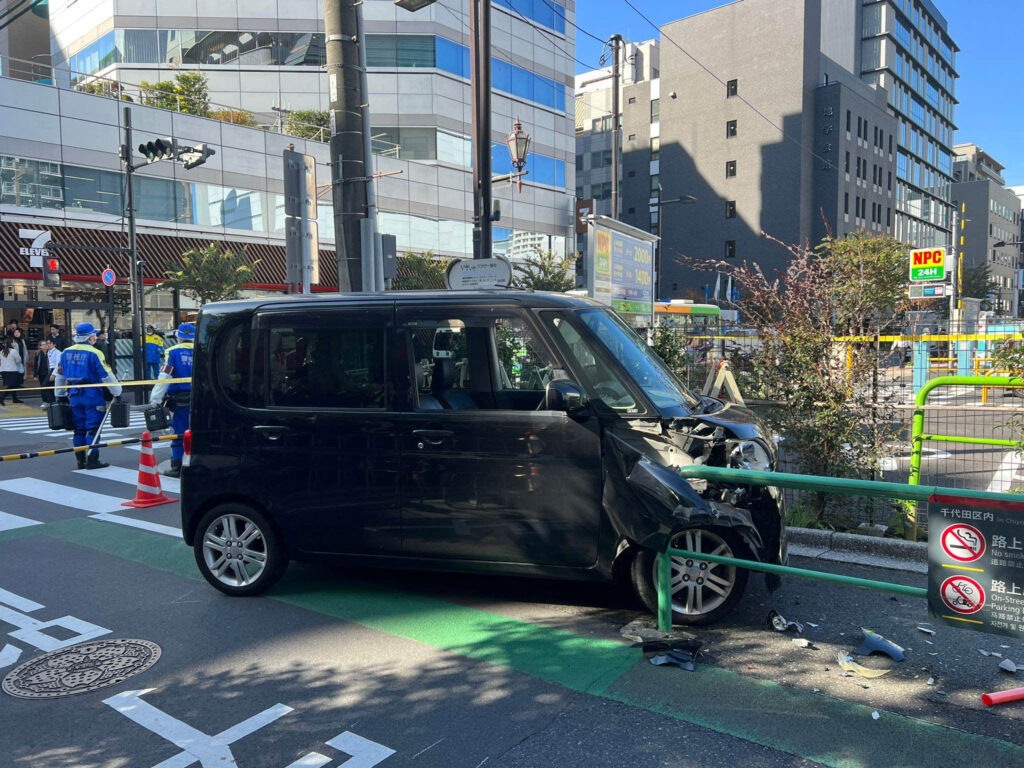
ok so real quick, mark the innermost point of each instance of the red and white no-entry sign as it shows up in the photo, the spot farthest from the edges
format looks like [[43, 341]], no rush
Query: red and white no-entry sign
[[962, 594], [963, 543]]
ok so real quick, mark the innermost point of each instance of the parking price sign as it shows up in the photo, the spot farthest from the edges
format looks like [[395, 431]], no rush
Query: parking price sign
[[927, 264], [976, 564]]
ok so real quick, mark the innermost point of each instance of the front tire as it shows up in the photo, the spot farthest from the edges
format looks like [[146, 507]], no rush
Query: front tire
[[238, 551], [702, 592]]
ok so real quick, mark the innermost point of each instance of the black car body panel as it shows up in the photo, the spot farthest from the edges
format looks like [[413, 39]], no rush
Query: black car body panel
[[500, 486]]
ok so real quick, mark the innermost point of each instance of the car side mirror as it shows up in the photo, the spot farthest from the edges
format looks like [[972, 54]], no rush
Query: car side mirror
[[564, 395]]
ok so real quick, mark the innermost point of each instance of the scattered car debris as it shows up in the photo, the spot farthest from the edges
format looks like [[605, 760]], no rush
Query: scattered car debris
[[931, 681], [812, 624], [1008, 666], [984, 652], [929, 642], [802, 642], [926, 630], [875, 643], [849, 665], [779, 623], [875, 715], [643, 630], [1004, 646], [683, 653], [1002, 697]]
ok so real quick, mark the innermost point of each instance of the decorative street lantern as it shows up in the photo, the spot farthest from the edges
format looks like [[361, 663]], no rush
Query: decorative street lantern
[[518, 143]]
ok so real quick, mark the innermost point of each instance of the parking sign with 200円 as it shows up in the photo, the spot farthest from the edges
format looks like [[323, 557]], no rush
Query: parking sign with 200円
[[976, 564]]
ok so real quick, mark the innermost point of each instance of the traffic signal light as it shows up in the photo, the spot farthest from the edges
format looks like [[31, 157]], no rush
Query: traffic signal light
[[159, 149], [193, 156], [51, 272]]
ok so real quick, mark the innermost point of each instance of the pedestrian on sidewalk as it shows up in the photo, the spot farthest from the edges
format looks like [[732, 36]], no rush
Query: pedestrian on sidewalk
[[23, 350], [81, 363], [58, 338], [44, 374], [10, 362]]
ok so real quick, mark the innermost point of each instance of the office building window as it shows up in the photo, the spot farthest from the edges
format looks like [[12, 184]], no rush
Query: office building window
[[730, 169], [632, 100], [632, 137], [655, 110], [655, 185], [730, 249], [579, 162], [655, 148], [846, 202], [847, 162], [848, 118], [730, 129], [631, 174], [730, 209], [731, 89]]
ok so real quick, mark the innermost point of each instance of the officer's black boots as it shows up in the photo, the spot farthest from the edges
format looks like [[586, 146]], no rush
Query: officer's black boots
[[94, 462], [174, 470], [80, 458]]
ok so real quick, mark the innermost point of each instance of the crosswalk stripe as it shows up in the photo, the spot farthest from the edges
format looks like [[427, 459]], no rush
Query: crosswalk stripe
[[131, 522], [65, 496], [129, 476], [9, 522]]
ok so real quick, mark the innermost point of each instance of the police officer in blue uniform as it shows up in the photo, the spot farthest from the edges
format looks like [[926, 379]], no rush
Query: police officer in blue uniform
[[82, 363], [178, 366]]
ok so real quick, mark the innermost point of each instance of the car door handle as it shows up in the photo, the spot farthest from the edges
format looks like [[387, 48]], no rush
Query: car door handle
[[270, 432], [431, 436]]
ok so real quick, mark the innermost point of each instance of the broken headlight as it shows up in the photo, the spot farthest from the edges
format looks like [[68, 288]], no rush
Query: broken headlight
[[750, 454]]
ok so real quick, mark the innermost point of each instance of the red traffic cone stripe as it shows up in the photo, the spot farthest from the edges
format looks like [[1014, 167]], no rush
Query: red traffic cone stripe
[[148, 492]]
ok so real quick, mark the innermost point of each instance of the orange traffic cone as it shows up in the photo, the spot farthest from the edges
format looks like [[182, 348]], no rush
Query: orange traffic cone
[[148, 492]]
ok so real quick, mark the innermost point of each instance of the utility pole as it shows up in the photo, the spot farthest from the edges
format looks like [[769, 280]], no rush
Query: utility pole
[[347, 159], [956, 242], [616, 42], [480, 64], [134, 267]]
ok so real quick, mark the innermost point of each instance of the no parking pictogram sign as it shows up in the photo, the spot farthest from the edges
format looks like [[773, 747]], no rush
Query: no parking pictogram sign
[[962, 594], [963, 543]]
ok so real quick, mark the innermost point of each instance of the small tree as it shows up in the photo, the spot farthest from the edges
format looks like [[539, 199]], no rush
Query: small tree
[[669, 345], [108, 88], [308, 124], [189, 92], [546, 271], [420, 271], [235, 116], [209, 274]]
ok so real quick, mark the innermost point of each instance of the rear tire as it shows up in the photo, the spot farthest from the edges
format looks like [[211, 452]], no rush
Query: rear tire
[[238, 551], [720, 588]]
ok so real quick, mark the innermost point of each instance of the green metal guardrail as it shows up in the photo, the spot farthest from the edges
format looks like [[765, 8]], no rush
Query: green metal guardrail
[[918, 437], [844, 486]]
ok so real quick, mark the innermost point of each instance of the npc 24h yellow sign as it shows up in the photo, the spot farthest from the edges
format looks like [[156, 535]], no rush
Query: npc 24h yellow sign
[[927, 264]]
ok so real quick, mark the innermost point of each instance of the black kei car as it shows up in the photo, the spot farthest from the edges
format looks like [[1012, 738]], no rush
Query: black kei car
[[486, 432]]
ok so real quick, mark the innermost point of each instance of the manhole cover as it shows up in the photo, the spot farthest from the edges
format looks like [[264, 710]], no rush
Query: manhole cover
[[81, 668]]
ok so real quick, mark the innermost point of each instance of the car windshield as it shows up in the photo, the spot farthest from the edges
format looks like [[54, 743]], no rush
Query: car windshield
[[638, 360]]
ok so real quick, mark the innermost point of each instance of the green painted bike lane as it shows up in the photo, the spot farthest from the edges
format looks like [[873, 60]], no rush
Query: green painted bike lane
[[822, 728]]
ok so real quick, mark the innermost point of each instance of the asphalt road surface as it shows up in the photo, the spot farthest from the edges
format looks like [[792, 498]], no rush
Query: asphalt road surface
[[356, 668]]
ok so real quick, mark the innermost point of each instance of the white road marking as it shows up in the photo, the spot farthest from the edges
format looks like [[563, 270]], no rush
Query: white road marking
[[312, 760], [23, 604], [210, 751], [131, 522], [129, 476], [30, 629], [8, 655], [9, 522], [1003, 479], [55, 493], [365, 753]]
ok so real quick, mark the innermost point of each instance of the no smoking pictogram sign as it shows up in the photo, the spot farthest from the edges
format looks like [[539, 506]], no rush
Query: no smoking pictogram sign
[[963, 543], [962, 594]]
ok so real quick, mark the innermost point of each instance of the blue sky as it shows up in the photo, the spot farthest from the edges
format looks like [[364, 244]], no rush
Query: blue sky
[[990, 65]]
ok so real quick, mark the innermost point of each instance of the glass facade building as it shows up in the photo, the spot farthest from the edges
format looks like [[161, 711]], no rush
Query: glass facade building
[[906, 49]]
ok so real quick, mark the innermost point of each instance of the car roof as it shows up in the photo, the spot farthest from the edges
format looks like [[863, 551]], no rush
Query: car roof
[[527, 299]]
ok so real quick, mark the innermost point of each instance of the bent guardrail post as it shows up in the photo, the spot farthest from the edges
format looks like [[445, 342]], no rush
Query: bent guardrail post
[[839, 485]]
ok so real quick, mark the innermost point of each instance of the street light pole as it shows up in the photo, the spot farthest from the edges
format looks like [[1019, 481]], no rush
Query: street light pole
[[134, 270], [480, 64], [616, 42]]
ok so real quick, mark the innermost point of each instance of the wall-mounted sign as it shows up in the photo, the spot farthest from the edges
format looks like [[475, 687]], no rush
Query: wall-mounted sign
[[479, 274], [38, 250], [620, 269]]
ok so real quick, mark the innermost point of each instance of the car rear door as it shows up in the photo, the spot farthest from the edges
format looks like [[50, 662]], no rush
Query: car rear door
[[324, 440]]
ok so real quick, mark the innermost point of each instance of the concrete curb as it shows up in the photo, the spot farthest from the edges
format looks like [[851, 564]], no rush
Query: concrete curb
[[855, 549]]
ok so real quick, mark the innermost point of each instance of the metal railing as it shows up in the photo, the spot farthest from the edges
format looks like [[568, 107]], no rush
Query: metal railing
[[836, 485]]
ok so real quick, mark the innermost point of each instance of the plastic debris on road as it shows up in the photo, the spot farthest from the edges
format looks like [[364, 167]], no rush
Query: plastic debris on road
[[849, 665], [1002, 697], [931, 681], [875, 643], [926, 630], [684, 653], [644, 630], [1008, 666], [802, 642], [780, 623], [875, 715], [983, 652]]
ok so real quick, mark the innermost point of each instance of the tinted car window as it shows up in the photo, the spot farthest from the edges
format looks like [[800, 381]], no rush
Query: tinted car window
[[326, 367], [233, 362]]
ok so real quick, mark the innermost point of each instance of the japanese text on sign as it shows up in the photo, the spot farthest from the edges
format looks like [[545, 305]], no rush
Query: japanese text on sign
[[976, 569]]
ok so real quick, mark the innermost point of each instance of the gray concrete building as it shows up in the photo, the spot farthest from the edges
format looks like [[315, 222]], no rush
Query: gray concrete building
[[991, 215]]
